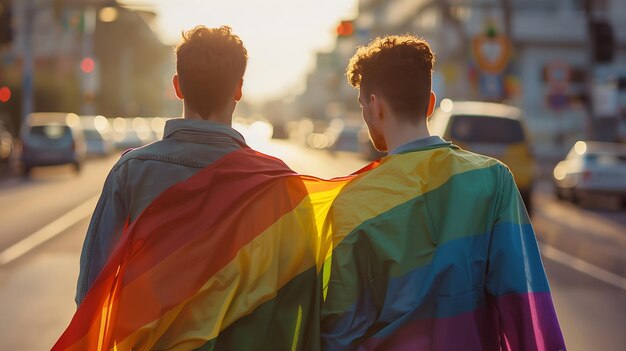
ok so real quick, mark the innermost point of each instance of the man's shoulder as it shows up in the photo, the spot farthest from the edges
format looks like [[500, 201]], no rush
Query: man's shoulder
[[151, 150], [440, 159], [477, 160], [423, 171]]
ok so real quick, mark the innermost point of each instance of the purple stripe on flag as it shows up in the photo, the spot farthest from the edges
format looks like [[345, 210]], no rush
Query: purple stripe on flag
[[529, 322], [521, 322]]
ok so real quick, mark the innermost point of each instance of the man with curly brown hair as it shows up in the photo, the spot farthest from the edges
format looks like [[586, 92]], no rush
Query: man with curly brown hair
[[210, 64], [432, 248], [199, 242]]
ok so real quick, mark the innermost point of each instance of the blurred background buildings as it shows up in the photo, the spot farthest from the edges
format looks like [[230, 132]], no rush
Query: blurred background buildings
[[88, 57], [563, 62]]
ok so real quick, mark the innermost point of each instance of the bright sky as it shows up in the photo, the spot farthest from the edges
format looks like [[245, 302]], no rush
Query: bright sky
[[281, 36]]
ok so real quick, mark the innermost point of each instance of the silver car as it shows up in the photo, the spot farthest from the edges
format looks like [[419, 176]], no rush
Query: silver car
[[592, 168], [50, 139]]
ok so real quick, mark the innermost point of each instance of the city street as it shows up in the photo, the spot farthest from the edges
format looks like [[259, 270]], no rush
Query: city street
[[43, 221], [539, 85]]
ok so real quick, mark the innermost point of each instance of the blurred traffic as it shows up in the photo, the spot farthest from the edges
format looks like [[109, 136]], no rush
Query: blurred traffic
[[592, 169], [98, 135]]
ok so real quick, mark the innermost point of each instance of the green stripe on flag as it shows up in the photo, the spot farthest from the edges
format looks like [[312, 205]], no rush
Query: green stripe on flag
[[290, 321]]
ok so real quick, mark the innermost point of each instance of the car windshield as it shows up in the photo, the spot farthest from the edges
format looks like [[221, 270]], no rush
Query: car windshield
[[50, 131], [484, 129]]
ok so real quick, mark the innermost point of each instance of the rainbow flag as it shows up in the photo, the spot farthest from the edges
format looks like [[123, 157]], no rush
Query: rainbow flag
[[433, 250], [248, 255], [227, 260]]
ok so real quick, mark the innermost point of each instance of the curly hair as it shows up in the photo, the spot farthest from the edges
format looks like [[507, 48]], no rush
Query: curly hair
[[398, 67], [209, 62]]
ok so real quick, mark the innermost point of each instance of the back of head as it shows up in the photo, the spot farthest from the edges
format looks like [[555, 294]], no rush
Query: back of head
[[210, 62], [398, 68]]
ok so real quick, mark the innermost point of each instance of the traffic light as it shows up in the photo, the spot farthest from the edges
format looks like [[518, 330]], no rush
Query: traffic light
[[345, 29], [87, 65], [6, 25], [602, 41], [5, 94]]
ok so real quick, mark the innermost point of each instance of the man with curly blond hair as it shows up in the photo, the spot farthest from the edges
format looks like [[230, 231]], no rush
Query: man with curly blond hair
[[432, 248], [210, 64]]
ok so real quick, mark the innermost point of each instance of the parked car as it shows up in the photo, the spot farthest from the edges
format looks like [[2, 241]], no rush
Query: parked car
[[98, 135], [491, 129], [50, 139], [591, 168]]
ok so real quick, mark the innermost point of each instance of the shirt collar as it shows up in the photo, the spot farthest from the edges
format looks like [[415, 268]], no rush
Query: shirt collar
[[197, 126], [420, 143]]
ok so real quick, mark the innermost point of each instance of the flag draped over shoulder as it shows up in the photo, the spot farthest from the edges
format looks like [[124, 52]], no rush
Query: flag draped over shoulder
[[428, 250], [228, 259], [439, 254]]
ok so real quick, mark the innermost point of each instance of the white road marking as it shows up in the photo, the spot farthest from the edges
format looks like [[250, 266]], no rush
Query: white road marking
[[48, 232], [582, 266]]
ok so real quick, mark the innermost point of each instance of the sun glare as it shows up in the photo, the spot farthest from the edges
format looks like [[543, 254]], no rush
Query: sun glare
[[281, 36]]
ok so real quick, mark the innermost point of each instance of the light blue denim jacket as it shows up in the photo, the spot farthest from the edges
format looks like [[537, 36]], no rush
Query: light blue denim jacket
[[140, 175]]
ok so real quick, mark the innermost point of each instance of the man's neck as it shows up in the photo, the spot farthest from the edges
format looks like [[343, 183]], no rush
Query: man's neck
[[221, 118], [399, 134]]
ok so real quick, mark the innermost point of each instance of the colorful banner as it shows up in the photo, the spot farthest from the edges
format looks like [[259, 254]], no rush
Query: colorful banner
[[238, 257]]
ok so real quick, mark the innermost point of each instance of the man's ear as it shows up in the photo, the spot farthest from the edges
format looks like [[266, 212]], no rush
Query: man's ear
[[377, 106], [239, 90], [176, 83], [431, 104]]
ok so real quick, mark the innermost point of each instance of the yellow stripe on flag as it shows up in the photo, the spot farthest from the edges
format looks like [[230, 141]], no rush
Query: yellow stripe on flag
[[248, 281], [421, 171]]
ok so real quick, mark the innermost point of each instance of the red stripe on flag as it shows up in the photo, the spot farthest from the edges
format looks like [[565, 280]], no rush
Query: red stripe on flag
[[213, 195]]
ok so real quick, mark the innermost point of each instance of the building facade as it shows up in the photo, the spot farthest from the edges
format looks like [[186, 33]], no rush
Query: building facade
[[537, 55], [89, 57]]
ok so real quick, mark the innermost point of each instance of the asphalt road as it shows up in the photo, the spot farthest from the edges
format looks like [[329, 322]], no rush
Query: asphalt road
[[43, 221]]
